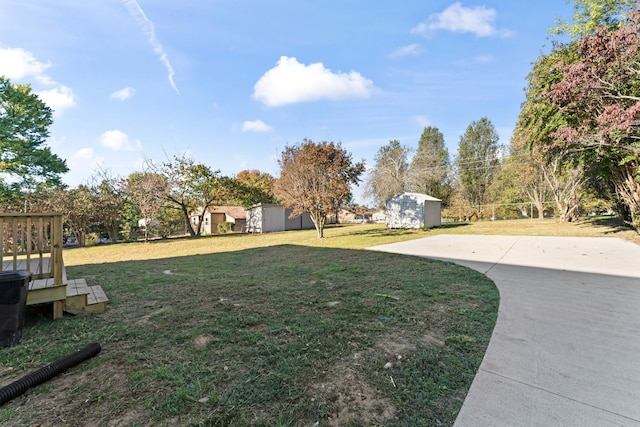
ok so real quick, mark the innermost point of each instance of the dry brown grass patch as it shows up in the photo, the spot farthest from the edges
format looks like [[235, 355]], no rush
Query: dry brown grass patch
[[353, 398]]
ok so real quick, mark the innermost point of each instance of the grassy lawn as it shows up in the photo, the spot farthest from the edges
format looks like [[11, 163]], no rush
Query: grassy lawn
[[273, 329], [594, 227]]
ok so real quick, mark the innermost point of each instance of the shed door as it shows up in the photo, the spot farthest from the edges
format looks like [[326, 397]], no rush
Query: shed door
[[409, 214]]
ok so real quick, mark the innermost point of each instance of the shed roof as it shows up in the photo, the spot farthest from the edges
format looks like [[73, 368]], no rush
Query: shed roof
[[265, 205], [237, 212], [418, 196]]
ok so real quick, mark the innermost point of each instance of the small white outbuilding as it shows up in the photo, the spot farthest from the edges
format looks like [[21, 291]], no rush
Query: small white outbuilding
[[269, 217], [413, 210]]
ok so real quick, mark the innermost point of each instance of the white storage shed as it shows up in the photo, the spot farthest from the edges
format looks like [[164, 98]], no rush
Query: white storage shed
[[269, 217], [413, 210]]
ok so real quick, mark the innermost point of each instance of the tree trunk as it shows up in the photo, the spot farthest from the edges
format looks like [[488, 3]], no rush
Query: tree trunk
[[318, 220], [628, 191], [113, 233], [537, 197], [524, 212], [187, 220], [80, 237], [201, 221], [564, 185]]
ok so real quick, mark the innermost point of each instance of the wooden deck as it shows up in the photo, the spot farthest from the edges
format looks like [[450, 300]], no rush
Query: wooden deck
[[83, 299], [72, 295], [39, 267], [33, 242]]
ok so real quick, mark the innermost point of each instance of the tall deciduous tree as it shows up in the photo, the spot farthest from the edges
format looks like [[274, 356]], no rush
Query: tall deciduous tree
[[148, 191], [390, 174], [316, 178], [569, 91], [26, 164], [589, 15], [194, 188], [565, 184], [430, 167], [598, 93], [77, 208], [477, 162], [538, 122], [252, 187], [522, 176], [108, 199]]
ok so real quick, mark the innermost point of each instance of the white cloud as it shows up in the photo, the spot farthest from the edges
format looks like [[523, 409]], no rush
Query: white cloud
[[290, 82], [123, 94], [484, 59], [456, 18], [148, 28], [59, 98], [410, 50], [21, 65], [86, 160], [117, 140], [256, 126], [18, 64], [84, 153], [481, 59], [422, 121]]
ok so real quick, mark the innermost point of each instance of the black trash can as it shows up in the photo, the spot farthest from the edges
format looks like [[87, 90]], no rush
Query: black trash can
[[14, 285]]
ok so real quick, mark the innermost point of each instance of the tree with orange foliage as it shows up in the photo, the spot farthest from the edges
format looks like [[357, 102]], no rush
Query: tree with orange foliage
[[316, 178]]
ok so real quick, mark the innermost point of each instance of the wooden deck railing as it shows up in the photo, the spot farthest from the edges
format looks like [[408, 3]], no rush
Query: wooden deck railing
[[32, 241]]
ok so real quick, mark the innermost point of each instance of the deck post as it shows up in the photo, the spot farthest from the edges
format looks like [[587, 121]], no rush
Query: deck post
[[56, 248], [56, 255]]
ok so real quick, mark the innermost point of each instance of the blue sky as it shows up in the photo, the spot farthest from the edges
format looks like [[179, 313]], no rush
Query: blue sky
[[231, 83]]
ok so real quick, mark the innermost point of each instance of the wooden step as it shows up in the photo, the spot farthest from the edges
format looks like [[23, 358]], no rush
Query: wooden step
[[84, 299], [43, 290]]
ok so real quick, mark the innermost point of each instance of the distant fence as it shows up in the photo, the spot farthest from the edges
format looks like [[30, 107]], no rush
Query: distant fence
[[498, 211]]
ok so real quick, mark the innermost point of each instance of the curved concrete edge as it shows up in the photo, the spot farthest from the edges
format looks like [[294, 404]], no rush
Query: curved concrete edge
[[566, 346]]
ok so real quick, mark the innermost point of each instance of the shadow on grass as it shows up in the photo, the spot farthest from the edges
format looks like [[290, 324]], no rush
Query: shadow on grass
[[454, 225], [613, 224], [386, 232], [383, 232], [273, 334]]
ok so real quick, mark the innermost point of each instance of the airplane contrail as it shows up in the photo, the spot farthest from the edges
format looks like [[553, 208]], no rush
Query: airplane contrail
[[147, 27]]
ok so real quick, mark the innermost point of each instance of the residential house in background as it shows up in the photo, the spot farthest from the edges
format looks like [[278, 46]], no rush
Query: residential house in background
[[146, 222], [235, 215], [346, 216], [379, 216], [413, 210]]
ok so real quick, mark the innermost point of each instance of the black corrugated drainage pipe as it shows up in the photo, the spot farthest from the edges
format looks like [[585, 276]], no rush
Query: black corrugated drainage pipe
[[33, 379]]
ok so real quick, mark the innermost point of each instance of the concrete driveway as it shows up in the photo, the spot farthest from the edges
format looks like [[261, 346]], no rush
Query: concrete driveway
[[565, 350]]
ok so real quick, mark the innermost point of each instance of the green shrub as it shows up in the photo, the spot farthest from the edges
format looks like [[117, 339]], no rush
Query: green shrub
[[223, 227]]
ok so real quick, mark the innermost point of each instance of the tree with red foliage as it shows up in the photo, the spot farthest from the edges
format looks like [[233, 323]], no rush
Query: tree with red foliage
[[598, 94]]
